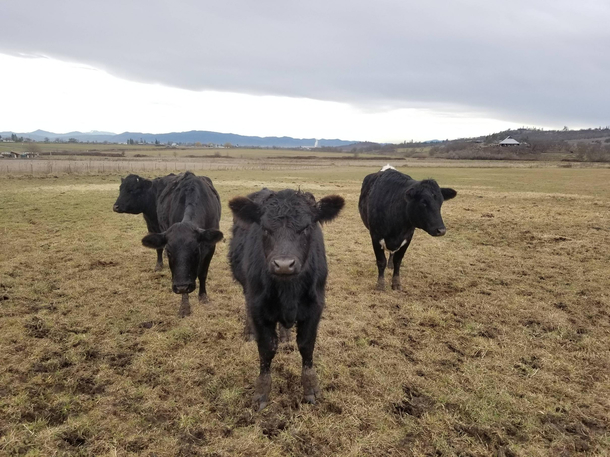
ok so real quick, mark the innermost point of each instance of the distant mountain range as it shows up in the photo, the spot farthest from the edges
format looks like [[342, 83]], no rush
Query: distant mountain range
[[193, 136]]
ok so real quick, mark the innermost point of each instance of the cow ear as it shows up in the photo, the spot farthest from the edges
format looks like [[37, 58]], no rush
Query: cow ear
[[122, 179], [245, 210], [410, 194], [155, 240], [448, 193], [210, 236], [146, 184], [329, 208]]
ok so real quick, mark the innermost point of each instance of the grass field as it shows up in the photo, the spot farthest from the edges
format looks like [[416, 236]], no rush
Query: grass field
[[498, 345]]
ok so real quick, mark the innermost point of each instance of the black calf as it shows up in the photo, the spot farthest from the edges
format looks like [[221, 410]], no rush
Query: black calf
[[138, 195], [392, 205], [189, 215], [277, 255]]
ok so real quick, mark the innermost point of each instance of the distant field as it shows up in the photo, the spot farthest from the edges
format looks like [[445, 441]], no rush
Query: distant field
[[164, 152], [499, 344]]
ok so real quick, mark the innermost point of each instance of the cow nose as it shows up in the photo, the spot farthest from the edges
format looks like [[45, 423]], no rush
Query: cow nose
[[183, 288], [115, 208], [440, 231], [284, 266]]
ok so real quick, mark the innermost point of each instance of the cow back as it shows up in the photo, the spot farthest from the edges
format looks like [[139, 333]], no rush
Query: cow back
[[382, 199], [187, 197]]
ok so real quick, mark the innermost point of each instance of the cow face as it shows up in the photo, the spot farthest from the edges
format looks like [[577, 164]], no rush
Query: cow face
[[285, 222], [183, 244], [132, 195], [424, 201]]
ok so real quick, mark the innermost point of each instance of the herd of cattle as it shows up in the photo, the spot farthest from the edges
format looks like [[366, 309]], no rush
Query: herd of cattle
[[277, 250]]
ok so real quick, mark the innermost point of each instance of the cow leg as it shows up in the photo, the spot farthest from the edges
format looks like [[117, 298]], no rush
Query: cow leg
[[185, 306], [306, 340], [391, 261], [398, 255], [381, 263], [159, 265], [266, 338], [249, 334], [284, 334], [206, 258]]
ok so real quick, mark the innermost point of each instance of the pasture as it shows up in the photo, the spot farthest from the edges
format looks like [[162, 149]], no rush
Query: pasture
[[499, 343]]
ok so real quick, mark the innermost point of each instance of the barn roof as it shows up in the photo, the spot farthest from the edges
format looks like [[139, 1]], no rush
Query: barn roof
[[509, 140]]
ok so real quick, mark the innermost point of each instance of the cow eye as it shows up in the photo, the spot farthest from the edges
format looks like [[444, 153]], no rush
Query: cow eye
[[304, 231], [266, 232]]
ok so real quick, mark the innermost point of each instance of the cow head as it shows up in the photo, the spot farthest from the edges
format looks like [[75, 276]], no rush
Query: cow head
[[285, 222], [424, 201], [183, 244], [132, 195]]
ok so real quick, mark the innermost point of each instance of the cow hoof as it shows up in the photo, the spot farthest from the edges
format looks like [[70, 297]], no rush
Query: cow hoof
[[249, 336], [309, 399], [311, 389], [184, 312], [396, 285], [203, 299], [261, 391], [159, 267], [262, 405], [380, 285]]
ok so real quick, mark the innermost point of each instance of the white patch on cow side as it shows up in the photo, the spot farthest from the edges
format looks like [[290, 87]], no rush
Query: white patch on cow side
[[387, 167], [385, 248]]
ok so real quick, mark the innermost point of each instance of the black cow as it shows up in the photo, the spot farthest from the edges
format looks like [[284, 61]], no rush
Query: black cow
[[138, 195], [277, 255], [392, 205], [189, 216]]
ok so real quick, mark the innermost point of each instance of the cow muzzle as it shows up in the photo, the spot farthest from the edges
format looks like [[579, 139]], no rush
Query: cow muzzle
[[116, 209], [183, 288], [439, 231], [284, 266]]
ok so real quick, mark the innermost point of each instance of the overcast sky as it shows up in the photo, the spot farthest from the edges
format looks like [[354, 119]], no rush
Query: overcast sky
[[383, 70]]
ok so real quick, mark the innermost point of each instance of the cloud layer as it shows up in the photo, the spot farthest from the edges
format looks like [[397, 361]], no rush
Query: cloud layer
[[535, 61]]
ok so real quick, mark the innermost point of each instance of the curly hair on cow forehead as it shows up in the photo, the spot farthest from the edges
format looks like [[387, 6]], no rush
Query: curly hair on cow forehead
[[289, 204], [426, 185]]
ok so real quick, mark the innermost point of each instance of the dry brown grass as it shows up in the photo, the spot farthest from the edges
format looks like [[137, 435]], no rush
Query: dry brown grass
[[499, 344]]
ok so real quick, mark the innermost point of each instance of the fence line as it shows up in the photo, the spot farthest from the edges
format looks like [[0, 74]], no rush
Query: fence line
[[50, 167], [159, 167]]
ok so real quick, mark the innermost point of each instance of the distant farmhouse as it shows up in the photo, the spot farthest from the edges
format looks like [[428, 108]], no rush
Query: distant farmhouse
[[508, 141], [18, 155], [9, 155]]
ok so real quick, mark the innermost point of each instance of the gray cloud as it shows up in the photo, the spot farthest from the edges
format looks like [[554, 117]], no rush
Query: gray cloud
[[530, 61]]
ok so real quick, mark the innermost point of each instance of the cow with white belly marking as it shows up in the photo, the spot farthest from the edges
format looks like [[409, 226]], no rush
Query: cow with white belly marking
[[392, 205]]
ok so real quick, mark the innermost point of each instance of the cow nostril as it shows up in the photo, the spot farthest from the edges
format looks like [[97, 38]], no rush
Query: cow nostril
[[284, 266], [115, 208], [441, 231], [183, 288]]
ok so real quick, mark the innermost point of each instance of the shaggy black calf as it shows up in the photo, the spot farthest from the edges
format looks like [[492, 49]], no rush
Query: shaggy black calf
[[189, 214], [277, 255], [392, 205], [138, 195]]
